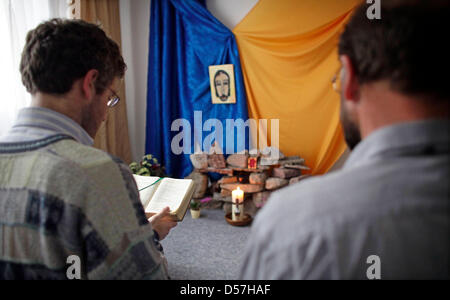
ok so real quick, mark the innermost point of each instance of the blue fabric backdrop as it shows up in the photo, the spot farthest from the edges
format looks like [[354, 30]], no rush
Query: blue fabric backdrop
[[185, 39]]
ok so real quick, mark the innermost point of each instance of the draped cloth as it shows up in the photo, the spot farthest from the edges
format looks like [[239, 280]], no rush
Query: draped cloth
[[112, 136], [185, 39], [288, 51]]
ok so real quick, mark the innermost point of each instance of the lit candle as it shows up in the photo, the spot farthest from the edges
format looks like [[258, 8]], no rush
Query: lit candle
[[237, 204]]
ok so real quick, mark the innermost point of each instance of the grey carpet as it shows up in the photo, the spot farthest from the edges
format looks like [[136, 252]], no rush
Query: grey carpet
[[205, 249]]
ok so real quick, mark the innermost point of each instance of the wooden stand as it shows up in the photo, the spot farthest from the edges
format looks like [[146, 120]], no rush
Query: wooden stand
[[246, 221]]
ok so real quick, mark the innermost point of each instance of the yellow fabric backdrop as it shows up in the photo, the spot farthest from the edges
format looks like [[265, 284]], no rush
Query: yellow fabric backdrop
[[288, 52]]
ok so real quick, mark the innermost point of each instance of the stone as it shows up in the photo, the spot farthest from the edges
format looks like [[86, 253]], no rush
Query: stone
[[199, 161], [227, 199], [216, 161], [225, 193], [268, 161], [260, 169], [274, 183], [215, 149], [258, 178], [219, 197], [214, 188], [272, 152], [260, 199], [250, 208], [200, 183], [247, 188], [291, 160], [213, 204], [298, 167], [255, 152], [286, 173], [238, 160], [297, 179], [228, 179], [225, 171]]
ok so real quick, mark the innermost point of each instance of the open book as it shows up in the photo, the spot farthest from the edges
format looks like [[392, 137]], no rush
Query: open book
[[157, 193]]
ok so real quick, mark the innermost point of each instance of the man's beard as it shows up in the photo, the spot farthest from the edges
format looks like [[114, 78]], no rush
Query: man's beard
[[352, 133]]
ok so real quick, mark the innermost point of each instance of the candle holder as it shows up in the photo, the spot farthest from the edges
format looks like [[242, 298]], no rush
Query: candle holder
[[246, 220], [238, 217]]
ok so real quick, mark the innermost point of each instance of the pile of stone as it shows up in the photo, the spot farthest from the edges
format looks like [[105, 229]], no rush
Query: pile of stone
[[273, 171]]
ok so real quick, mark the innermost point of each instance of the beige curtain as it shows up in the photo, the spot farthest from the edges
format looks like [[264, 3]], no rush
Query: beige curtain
[[113, 135]]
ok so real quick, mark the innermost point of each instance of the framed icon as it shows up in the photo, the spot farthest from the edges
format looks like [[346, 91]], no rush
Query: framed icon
[[223, 90]]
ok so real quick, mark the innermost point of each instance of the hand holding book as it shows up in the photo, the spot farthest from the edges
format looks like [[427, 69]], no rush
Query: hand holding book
[[162, 222]]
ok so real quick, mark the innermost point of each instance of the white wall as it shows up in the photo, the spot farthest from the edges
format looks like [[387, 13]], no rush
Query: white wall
[[135, 20], [134, 23], [230, 12]]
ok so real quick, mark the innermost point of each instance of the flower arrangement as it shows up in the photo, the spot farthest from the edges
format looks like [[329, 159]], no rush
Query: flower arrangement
[[148, 166]]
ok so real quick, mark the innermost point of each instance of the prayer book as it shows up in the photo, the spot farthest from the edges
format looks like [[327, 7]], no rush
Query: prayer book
[[157, 193]]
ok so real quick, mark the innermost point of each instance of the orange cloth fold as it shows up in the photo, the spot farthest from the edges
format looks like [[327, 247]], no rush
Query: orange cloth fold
[[288, 51]]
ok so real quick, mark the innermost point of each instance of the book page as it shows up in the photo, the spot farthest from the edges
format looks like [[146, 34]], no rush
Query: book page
[[145, 187], [170, 192]]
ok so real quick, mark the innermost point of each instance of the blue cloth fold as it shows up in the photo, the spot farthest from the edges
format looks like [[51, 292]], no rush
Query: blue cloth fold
[[185, 39]]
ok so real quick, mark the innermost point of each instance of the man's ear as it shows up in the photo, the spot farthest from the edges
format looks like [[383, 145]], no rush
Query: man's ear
[[88, 86], [349, 82]]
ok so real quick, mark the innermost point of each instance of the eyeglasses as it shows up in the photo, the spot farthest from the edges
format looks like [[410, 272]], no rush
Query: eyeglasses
[[336, 81], [114, 99]]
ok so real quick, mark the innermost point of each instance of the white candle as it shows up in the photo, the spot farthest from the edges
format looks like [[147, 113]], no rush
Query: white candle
[[237, 196], [238, 204]]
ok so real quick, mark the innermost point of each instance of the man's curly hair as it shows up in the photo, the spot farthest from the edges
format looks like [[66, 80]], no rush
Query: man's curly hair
[[58, 52]]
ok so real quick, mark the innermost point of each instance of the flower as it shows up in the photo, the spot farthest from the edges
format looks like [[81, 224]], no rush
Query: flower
[[148, 166], [205, 200]]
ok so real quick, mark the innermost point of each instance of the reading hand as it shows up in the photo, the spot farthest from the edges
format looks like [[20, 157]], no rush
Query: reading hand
[[162, 223]]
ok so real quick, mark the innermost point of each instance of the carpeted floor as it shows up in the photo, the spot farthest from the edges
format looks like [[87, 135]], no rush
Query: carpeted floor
[[205, 249]]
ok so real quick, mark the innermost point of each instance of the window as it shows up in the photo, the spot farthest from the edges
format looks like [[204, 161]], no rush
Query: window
[[17, 17]]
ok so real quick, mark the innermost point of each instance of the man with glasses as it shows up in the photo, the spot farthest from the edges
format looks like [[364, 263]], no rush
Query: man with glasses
[[386, 214], [59, 197]]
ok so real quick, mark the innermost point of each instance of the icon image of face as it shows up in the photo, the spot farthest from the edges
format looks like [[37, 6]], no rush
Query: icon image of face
[[222, 85]]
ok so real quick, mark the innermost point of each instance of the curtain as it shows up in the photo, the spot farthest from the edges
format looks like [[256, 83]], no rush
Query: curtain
[[288, 51], [112, 136], [17, 17], [185, 39]]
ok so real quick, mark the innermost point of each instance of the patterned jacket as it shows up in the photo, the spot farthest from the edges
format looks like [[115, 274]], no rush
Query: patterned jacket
[[60, 198]]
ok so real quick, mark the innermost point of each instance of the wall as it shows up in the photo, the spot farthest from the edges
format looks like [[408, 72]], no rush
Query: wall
[[134, 23], [230, 12]]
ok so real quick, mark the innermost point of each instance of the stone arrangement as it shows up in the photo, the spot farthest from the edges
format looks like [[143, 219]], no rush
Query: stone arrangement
[[271, 171]]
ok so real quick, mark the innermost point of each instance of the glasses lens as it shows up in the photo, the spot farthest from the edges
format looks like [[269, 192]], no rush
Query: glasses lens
[[113, 102]]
